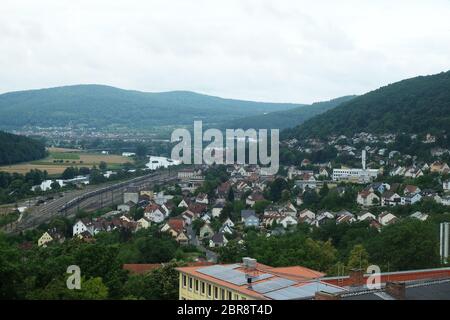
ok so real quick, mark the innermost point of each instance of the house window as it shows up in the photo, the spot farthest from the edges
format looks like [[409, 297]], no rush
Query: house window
[[190, 283], [222, 294], [196, 285], [202, 285], [216, 293], [209, 290], [184, 281], [230, 295]]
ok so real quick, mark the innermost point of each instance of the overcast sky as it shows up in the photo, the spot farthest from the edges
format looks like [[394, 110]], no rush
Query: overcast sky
[[293, 50]]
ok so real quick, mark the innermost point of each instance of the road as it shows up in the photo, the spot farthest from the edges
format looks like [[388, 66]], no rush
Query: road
[[89, 198], [193, 239]]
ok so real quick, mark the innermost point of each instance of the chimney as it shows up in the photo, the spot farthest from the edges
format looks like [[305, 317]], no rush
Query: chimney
[[357, 277], [396, 290], [322, 295]]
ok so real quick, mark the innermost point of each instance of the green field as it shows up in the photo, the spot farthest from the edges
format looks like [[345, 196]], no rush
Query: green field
[[64, 155]]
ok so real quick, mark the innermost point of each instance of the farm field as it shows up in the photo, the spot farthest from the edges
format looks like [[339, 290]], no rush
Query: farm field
[[59, 159]]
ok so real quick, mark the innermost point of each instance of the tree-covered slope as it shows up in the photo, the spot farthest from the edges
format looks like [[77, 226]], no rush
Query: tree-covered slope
[[287, 118], [102, 106], [418, 105], [15, 148]]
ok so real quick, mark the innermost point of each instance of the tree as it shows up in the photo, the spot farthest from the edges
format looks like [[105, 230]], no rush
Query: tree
[[230, 196], [141, 151], [261, 205], [359, 258], [55, 185], [103, 166]]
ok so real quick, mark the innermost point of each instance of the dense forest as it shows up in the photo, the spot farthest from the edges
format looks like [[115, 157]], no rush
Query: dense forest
[[103, 106], [418, 106], [287, 118], [14, 148]]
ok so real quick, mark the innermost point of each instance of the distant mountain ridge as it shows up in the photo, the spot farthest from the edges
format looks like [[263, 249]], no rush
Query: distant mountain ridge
[[418, 105], [103, 106], [14, 148], [287, 118]]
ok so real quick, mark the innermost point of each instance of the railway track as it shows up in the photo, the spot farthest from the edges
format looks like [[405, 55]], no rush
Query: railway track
[[92, 196]]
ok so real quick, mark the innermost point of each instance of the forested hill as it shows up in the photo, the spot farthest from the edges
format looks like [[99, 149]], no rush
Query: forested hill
[[98, 106], [287, 118], [418, 105], [15, 148]]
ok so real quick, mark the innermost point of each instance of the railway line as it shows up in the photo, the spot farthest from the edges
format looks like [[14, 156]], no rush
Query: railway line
[[89, 199]]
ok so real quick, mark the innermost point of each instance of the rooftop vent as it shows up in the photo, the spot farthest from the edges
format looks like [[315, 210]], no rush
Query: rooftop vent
[[249, 263]]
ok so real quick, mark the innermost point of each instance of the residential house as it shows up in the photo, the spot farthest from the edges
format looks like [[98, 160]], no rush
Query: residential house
[[439, 167], [345, 219], [217, 210], [229, 223], [306, 213], [413, 172], [446, 185], [183, 203], [202, 198], [49, 236], [322, 217], [386, 218], [410, 199], [188, 217], [174, 226], [390, 198], [288, 221], [366, 216], [445, 200], [255, 196], [251, 221], [81, 226], [419, 215], [143, 223], [367, 198], [410, 189], [289, 209], [226, 229], [155, 213], [206, 231], [246, 213], [182, 238], [218, 240]]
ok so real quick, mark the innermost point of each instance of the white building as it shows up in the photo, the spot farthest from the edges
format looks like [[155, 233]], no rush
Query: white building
[[161, 162], [446, 185], [46, 185], [363, 175]]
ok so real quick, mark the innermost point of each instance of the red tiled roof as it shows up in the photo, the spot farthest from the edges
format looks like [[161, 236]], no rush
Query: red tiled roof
[[401, 276], [176, 224], [142, 268]]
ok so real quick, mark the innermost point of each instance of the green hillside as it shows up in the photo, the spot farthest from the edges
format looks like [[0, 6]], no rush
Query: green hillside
[[15, 149], [287, 118], [418, 105], [103, 106]]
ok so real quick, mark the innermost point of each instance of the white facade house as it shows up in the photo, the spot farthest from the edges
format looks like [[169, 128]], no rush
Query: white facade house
[[411, 199], [155, 216], [366, 216], [288, 221], [307, 214], [79, 227], [387, 218], [367, 198], [446, 185]]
